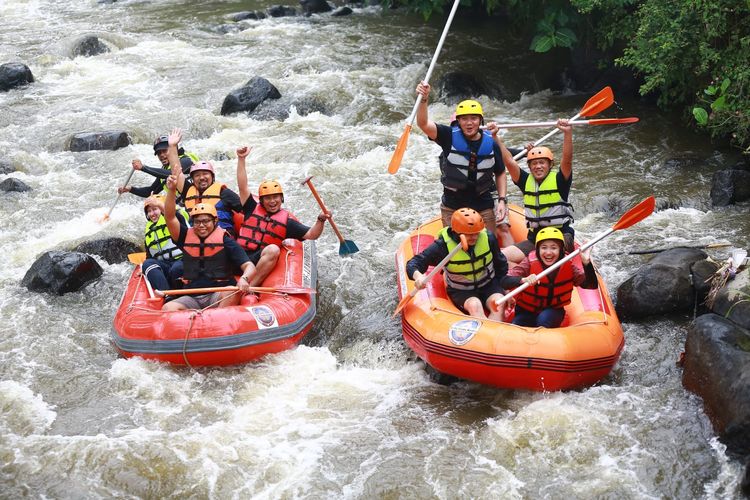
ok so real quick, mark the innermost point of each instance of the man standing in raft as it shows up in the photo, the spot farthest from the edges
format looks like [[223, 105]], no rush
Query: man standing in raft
[[542, 303], [163, 267], [473, 276], [161, 145], [266, 224], [203, 187], [471, 165], [209, 255], [545, 191]]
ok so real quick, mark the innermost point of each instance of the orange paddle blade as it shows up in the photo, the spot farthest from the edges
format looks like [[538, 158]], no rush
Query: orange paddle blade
[[400, 148], [612, 121], [137, 258], [599, 102], [636, 214]]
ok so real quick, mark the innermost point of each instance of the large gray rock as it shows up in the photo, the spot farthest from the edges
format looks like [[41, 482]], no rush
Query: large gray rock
[[14, 185], [717, 368], [342, 11], [702, 272], [61, 272], [14, 75], [112, 250], [730, 186], [89, 45], [249, 96], [733, 302], [89, 141], [247, 14], [281, 11], [310, 7], [664, 285]]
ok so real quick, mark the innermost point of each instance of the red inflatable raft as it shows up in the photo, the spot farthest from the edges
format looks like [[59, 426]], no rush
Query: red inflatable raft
[[579, 353], [268, 323]]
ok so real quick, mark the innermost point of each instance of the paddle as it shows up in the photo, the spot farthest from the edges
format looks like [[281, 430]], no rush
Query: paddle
[[291, 290], [137, 258], [632, 216], [345, 246], [598, 103], [464, 245], [398, 154], [106, 217], [659, 250], [600, 121]]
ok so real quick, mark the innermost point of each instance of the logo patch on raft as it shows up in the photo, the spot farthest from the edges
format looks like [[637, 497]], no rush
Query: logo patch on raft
[[463, 331], [264, 316]]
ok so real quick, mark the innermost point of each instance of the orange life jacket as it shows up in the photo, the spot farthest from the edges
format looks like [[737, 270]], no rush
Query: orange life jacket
[[546, 294], [259, 229], [211, 195], [206, 258]]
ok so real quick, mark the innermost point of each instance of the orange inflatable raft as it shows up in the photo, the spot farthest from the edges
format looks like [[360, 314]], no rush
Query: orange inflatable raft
[[268, 323], [579, 353]]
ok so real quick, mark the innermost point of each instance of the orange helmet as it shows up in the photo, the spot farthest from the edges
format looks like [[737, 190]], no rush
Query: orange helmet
[[203, 208], [153, 201], [466, 221], [270, 187], [540, 152]]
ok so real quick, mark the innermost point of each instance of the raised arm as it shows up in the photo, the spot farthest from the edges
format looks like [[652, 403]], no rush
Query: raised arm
[[317, 229], [423, 121], [170, 216], [174, 158], [566, 163], [242, 153], [510, 164]]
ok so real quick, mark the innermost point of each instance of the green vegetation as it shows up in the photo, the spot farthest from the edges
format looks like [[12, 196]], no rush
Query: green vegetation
[[691, 54]]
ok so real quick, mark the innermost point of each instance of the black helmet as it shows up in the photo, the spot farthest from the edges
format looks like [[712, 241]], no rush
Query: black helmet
[[161, 143]]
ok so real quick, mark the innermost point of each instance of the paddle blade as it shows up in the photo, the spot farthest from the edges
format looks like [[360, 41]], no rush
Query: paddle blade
[[137, 258], [402, 304], [599, 102], [636, 214], [347, 247], [613, 121], [398, 155]]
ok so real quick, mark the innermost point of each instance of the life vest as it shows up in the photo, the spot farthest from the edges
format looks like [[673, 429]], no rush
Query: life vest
[[206, 258], [545, 293], [158, 241], [211, 195], [469, 270], [461, 161], [543, 204], [259, 229]]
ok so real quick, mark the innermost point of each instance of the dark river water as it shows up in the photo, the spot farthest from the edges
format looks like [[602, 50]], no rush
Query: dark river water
[[351, 413]]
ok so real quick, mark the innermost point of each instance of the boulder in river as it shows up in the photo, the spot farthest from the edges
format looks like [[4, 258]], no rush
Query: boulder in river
[[730, 186], [662, 286], [61, 272], [89, 45], [89, 141], [342, 11], [717, 368], [733, 301], [310, 7], [281, 11], [247, 14], [14, 74], [112, 250], [14, 185], [249, 96], [6, 167]]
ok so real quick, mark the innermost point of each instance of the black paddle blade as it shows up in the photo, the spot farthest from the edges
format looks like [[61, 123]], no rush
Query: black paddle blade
[[347, 246]]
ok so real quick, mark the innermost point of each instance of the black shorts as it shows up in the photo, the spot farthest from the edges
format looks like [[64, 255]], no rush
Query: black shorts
[[458, 297], [254, 255]]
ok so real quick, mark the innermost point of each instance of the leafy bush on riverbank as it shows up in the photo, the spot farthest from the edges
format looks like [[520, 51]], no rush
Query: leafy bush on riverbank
[[690, 54]]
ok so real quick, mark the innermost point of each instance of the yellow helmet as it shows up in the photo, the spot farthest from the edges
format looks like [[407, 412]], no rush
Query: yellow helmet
[[469, 107], [203, 208], [549, 233], [269, 187], [466, 221], [540, 152]]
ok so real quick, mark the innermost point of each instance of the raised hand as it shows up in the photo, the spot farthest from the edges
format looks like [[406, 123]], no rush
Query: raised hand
[[137, 165], [175, 137], [243, 151]]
